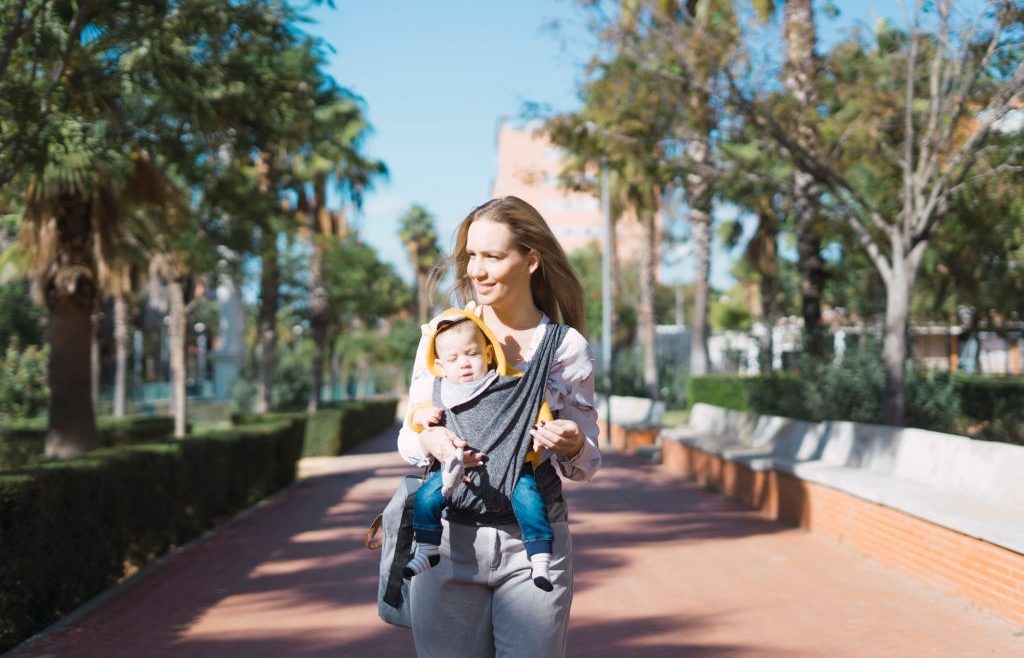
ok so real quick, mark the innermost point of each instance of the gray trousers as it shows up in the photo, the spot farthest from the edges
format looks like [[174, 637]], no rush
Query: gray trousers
[[479, 601]]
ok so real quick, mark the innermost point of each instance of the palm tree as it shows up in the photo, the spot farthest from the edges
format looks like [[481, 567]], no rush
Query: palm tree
[[139, 80], [120, 289], [72, 220], [62, 223], [336, 133], [270, 283], [626, 124], [416, 229], [685, 45], [705, 28], [800, 76]]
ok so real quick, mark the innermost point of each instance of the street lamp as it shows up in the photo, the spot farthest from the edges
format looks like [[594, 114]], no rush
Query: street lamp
[[200, 352], [606, 291]]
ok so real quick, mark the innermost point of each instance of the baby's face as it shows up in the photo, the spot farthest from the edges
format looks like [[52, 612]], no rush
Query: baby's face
[[461, 353]]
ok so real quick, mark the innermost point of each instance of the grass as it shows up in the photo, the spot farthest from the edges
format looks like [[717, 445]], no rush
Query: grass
[[673, 417]]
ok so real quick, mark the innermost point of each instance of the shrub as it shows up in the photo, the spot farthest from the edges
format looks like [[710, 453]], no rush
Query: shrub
[[324, 435], [365, 419], [980, 407], [933, 401], [70, 529], [24, 392], [850, 390], [727, 391], [337, 427], [778, 394], [995, 405], [22, 440]]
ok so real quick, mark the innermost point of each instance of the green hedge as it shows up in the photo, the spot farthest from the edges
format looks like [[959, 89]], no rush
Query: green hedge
[[22, 441], [987, 398], [995, 404], [978, 406], [70, 529], [720, 390], [337, 428]]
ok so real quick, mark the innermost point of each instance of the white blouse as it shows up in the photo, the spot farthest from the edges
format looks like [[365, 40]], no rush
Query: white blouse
[[569, 393]]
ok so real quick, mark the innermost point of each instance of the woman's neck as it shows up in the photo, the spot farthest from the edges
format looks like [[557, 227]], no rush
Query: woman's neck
[[516, 315]]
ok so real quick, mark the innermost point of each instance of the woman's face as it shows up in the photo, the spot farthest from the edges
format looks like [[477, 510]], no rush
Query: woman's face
[[497, 268]]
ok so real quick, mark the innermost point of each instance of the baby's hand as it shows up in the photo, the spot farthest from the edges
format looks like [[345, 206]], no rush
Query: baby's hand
[[427, 416]]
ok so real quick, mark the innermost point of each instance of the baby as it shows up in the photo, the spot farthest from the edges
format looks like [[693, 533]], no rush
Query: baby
[[462, 351]]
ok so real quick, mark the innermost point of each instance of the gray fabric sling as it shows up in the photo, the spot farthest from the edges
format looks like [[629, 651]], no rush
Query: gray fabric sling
[[497, 423]]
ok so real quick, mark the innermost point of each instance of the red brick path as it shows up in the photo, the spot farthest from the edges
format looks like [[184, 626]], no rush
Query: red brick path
[[664, 568]]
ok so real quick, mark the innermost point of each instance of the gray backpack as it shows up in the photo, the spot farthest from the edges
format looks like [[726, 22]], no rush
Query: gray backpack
[[397, 549]]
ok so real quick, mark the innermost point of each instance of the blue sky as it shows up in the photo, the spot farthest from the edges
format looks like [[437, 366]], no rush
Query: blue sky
[[437, 77]]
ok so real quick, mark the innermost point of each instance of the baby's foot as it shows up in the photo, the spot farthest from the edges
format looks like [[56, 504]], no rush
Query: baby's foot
[[427, 555], [539, 571]]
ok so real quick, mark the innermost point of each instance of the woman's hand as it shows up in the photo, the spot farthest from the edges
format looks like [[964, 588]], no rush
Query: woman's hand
[[560, 435], [438, 442]]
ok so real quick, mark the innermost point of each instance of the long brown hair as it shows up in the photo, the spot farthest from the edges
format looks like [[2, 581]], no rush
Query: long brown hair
[[556, 289]]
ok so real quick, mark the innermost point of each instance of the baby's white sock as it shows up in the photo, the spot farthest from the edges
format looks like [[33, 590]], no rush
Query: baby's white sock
[[539, 571], [452, 471], [426, 556]]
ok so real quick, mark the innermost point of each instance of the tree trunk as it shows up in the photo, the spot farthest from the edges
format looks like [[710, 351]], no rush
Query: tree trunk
[[810, 264], [699, 190], [176, 337], [800, 73], [319, 319], [762, 250], [270, 283], [899, 287], [70, 300], [122, 344], [769, 289], [335, 362], [646, 315], [423, 296], [363, 376], [94, 360]]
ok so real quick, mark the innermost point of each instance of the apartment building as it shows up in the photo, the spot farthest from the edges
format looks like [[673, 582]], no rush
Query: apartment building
[[529, 165]]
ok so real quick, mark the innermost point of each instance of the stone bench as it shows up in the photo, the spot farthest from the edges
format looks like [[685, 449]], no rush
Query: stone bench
[[635, 421], [942, 507]]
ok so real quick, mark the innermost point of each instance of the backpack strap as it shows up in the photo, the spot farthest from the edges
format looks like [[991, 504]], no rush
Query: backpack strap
[[403, 550]]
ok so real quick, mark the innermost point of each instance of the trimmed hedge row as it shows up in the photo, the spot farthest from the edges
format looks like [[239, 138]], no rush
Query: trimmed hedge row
[[985, 398], [22, 441], [993, 406], [337, 428], [70, 529], [725, 391]]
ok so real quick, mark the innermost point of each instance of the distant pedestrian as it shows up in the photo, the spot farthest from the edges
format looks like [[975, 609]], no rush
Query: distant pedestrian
[[481, 600]]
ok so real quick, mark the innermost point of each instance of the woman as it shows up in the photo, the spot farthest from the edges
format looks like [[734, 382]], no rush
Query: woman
[[480, 601]]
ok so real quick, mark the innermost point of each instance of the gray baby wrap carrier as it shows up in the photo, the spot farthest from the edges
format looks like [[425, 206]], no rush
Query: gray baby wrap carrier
[[497, 423]]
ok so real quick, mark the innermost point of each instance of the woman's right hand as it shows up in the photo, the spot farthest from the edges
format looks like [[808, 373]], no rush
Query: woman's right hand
[[438, 442]]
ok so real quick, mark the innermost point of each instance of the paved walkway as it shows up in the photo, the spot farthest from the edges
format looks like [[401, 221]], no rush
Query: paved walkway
[[664, 568]]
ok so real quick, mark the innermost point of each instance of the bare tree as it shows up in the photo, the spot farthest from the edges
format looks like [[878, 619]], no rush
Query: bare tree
[[959, 84]]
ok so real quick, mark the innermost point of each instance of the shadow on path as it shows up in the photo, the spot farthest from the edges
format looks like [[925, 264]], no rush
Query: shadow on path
[[663, 568]]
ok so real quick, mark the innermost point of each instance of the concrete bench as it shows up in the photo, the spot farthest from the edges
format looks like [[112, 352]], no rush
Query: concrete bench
[[635, 421], [928, 491]]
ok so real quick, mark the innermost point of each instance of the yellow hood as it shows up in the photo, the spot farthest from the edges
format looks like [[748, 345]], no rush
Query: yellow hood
[[430, 330]]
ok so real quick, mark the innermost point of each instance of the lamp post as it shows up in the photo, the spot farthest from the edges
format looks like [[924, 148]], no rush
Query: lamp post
[[200, 354], [606, 292]]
